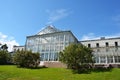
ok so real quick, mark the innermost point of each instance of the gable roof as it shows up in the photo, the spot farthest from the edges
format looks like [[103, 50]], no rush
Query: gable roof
[[48, 29]]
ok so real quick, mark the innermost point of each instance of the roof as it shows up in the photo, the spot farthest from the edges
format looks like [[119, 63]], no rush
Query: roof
[[18, 46], [51, 30], [48, 29], [100, 39]]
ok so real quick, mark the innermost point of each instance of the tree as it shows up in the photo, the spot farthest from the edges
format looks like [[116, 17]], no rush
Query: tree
[[77, 57], [4, 47], [26, 59], [5, 56]]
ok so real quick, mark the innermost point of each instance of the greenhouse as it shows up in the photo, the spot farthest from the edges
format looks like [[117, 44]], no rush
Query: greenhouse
[[49, 42]]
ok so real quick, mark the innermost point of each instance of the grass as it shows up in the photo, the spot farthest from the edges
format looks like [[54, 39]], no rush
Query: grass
[[8, 72]]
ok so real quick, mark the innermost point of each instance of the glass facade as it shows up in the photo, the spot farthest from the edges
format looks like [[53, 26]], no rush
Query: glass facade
[[50, 43]]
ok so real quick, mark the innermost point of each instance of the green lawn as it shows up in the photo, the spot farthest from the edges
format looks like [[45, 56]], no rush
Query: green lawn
[[14, 73]]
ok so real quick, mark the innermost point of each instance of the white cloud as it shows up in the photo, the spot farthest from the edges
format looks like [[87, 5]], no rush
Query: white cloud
[[2, 36], [89, 36], [10, 41], [92, 36], [56, 15]]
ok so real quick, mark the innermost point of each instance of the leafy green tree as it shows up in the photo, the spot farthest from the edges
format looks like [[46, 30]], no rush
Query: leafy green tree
[[4, 47], [5, 56], [77, 57], [26, 59]]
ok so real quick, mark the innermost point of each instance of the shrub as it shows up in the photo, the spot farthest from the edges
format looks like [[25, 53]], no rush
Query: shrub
[[26, 59], [77, 57]]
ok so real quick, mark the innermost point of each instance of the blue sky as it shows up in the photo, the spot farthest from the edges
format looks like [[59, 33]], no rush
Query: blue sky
[[87, 19]]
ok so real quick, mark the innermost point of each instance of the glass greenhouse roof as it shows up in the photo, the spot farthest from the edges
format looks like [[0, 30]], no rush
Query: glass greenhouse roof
[[48, 29]]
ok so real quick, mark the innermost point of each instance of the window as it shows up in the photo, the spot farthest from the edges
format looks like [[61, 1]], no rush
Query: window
[[116, 44], [14, 50], [107, 49], [117, 59], [102, 59], [97, 45], [98, 50], [46, 56], [110, 59], [96, 59], [89, 45], [42, 57], [107, 44]]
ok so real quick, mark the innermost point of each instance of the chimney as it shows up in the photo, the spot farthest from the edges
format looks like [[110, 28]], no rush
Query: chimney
[[102, 38]]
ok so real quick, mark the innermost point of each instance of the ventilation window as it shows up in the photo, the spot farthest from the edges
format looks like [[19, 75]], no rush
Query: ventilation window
[[89, 45], [107, 44], [116, 44], [97, 45]]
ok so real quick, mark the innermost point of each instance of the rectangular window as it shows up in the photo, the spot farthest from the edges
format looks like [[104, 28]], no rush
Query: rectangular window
[[117, 59], [46, 56], [96, 59], [110, 59], [107, 49], [102, 59], [98, 50]]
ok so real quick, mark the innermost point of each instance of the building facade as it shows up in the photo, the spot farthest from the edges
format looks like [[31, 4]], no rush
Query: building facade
[[49, 42], [105, 51], [15, 48]]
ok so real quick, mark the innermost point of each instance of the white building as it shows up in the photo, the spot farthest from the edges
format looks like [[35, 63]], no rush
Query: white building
[[106, 51], [15, 48]]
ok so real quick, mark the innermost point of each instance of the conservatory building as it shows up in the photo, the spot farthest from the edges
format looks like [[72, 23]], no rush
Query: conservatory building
[[49, 42]]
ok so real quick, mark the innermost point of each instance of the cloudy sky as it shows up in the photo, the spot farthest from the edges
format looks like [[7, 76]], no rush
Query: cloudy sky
[[87, 19]]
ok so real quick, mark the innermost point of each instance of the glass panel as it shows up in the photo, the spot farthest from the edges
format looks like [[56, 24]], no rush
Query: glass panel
[[110, 59], [96, 59], [118, 58], [42, 57], [56, 57], [46, 56], [102, 59]]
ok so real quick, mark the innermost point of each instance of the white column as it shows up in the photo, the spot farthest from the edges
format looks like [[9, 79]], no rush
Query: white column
[[106, 59], [113, 59], [99, 59]]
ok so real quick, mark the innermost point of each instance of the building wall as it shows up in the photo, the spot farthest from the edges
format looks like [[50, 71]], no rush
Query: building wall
[[15, 48], [106, 51], [102, 42]]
